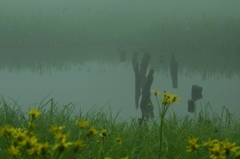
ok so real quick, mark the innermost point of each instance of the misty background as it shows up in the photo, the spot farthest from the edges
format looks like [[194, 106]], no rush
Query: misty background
[[69, 51]]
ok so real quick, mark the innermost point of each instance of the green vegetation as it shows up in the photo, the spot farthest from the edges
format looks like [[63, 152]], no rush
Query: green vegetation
[[60, 132]]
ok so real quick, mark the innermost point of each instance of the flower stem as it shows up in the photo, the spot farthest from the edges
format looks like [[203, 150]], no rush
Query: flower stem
[[161, 135]]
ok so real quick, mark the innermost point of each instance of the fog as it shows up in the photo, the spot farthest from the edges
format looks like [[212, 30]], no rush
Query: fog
[[152, 8], [69, 50]]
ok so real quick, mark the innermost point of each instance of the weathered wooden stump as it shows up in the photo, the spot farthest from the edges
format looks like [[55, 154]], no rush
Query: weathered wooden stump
[[143, 86]]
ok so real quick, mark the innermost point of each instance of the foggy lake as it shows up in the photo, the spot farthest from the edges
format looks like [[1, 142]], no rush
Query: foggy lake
[[113, 88], [70, 51]]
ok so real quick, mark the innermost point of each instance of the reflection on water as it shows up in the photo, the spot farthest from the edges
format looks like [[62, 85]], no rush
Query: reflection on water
[[97, 85]]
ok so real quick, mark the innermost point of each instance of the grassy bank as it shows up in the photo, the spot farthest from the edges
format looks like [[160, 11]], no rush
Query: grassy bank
[[61, 132]]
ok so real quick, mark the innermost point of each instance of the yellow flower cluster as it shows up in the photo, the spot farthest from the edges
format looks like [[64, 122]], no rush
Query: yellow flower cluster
[[218, 149], [34, 113], [192, 144], [23, 142], [168, 98]]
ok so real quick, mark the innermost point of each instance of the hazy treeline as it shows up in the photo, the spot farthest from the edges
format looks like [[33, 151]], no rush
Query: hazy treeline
[[201, 37]]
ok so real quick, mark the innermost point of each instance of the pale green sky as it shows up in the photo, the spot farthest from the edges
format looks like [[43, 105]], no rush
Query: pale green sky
[[166, 7]]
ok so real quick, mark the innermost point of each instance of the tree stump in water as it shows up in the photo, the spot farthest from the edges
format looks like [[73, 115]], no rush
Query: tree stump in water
[[143, 86]]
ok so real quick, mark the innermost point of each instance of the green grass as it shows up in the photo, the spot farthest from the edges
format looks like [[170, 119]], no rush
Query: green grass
[[137, 142]]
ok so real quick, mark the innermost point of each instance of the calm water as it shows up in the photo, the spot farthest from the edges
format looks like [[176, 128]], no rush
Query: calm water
[[94, 86]]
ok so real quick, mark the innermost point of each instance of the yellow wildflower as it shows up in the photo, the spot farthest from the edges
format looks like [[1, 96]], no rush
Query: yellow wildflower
[[210, 143], [168, 99], [62, 144], [56, 129], [217, 152], [192, 144], [92, 131], [61, 136], [6, 130], [35, 150], [119, 140], [34, 113], [13, 151], [175, 98], [82, 124], [29, 142], [125, 157], [229, 147], [78, 144], [103, 133], [20, 136], [45, 149], [155, 92]]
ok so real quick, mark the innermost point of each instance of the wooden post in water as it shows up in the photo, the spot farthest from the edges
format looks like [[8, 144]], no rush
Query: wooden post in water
[[196, 92], [191, 106]]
